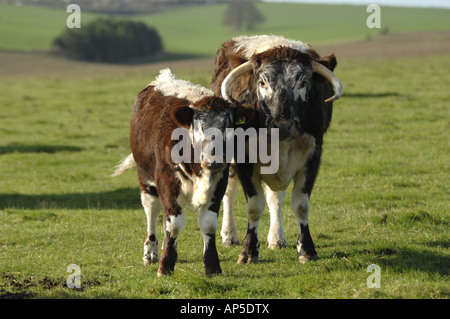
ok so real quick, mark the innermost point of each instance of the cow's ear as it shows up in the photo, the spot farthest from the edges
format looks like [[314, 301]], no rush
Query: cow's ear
[[243, 115], [182, 116], [329, 61]]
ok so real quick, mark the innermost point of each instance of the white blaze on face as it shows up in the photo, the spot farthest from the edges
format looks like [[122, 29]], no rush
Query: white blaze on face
[[291, 77], [264, 88], [300, 91], [297, 78]]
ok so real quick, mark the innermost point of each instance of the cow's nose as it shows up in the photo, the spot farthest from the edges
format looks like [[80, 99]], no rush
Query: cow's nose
[[284, 127], [212, 165]]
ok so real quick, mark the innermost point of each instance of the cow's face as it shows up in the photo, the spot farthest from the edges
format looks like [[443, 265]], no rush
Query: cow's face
[[209, 131], [208, 121], [282, 88]]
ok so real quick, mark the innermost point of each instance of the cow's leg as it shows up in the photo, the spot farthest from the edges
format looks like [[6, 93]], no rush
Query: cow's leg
[[174, 221], [229, 232], [254, 196], [152, 207], [275, 238], [300, 207], [207, 220]]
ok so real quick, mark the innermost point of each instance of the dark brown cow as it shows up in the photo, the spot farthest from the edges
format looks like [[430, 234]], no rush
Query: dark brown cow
[[162, 108], [291, 89]]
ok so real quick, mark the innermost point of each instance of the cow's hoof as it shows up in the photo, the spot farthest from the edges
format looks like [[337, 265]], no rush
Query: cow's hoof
[[213, 272], [153, 259], [162, 273], [304, 258], [230, 242], [245, 259], [280, 244]]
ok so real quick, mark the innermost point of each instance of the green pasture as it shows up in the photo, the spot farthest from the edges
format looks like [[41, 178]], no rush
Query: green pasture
[[199, 30], [381, 196]]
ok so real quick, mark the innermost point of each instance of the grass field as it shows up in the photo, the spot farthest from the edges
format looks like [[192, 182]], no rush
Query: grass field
[[382, 195]]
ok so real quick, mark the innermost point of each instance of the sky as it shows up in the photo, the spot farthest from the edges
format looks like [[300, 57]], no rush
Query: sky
[[400, 3]]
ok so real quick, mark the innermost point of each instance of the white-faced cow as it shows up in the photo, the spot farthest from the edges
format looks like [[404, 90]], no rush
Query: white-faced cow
[[291, 88], [165, 105]]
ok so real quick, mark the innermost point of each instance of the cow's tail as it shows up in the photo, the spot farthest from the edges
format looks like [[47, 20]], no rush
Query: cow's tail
[[127, 163]]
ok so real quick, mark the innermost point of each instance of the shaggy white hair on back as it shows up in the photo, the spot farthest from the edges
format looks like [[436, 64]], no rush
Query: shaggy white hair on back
[[169, 85], [260, 43]]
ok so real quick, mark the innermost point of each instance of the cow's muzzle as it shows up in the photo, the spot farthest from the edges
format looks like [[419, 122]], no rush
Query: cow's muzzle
[[211, 164], [286, 128]]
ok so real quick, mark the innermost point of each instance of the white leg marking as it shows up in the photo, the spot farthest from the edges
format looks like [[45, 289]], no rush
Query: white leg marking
[[207, 221], [228, 231], [255, 209], [152, 207], [175, 224], [275, 238], [300, 204]]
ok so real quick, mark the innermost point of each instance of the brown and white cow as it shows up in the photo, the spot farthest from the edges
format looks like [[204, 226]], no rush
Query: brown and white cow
[[291, 89], [162, 108]]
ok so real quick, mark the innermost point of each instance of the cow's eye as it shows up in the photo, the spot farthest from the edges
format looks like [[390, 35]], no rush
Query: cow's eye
[[262, 84]]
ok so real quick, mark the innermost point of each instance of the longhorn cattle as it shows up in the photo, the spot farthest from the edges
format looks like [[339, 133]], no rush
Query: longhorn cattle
[[291, 88], [165, 105]]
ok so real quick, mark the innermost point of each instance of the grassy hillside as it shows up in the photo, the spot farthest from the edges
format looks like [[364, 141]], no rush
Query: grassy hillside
[[199, 30]]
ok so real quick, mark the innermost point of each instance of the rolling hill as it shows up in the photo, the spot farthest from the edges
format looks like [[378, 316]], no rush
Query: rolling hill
[[199, 31]]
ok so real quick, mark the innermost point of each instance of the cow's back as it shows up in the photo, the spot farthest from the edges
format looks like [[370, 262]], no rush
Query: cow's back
[[151, 126]]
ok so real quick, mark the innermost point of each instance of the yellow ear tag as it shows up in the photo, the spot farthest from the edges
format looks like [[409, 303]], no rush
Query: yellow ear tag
[[240, 120]]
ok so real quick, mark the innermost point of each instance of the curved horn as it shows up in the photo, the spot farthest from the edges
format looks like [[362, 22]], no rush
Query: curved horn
[[327, 74], [233, 75]]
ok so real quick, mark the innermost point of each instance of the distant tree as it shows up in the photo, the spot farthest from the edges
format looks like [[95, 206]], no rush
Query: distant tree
[[109, 40], [242, 14]]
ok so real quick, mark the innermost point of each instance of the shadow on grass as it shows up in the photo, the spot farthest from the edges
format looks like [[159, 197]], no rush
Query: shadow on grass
[[402, 259], [38, 149], [117, 199], [423, 260]]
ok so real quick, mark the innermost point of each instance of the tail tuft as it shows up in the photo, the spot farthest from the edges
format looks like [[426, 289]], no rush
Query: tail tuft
[[127, 163]]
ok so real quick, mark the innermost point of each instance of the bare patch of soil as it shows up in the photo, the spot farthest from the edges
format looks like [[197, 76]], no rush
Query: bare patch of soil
[[393, 45], [18, 288]]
